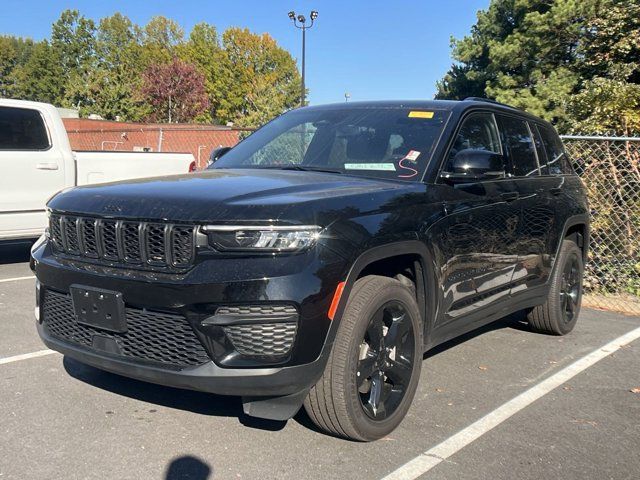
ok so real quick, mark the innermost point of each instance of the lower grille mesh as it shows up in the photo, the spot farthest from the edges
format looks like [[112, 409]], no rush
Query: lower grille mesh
[[261, 330], [262, 339], [150, 336]]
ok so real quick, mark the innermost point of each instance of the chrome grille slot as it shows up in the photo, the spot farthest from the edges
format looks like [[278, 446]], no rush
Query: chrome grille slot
[[155, 239], [88, 237], [70, 235], [111, 241], [55, 230], [131, 242], [182, 246]]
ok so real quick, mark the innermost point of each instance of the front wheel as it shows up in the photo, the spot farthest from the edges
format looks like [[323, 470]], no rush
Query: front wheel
[[559, 314], [373, 371]]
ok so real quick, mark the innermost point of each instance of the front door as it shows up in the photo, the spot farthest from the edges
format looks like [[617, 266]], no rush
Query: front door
[[476, 237]]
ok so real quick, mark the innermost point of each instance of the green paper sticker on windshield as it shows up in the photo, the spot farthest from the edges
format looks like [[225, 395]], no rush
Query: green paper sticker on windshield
[[370, 166]]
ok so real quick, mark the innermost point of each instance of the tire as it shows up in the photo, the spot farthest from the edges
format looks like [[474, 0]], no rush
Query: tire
[[343, 402], [559, 314]]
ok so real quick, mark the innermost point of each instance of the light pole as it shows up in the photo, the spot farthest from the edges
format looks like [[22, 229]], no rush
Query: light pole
[[301, 22]]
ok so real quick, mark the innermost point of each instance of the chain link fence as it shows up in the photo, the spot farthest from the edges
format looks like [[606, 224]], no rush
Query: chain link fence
[[610, 170]]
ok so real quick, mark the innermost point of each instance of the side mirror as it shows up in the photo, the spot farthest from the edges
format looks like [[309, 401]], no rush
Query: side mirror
[[473, 165], [217, 153]]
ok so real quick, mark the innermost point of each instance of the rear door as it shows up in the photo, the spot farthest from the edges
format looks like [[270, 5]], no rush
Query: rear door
[[31, 170], [534, 201]]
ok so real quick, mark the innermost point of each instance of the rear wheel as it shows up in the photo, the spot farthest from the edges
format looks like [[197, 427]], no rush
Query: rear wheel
[[559, 314], [373, 371]]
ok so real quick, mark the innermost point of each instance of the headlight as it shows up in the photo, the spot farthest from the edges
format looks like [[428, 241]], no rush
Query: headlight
[[261, 238]]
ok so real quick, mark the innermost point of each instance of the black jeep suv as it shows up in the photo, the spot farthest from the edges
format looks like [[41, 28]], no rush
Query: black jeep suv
[[316, 261]]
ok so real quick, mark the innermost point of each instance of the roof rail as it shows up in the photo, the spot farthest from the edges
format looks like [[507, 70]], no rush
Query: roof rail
[[488, 100]]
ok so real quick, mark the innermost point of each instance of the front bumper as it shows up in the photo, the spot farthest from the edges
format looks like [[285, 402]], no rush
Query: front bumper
[[196, 296], [259, 382]]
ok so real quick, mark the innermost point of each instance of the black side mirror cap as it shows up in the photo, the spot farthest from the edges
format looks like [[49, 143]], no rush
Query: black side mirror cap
[[472, 165], [217, 153]]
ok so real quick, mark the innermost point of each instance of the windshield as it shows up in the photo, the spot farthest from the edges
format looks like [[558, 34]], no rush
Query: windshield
[[393, 143]]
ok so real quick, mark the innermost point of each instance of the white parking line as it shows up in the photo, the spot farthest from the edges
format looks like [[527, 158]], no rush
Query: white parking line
[[436, 455], [26, 356], [15, 279]]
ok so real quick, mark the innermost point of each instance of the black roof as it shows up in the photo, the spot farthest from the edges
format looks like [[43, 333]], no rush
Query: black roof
[[458, 106]]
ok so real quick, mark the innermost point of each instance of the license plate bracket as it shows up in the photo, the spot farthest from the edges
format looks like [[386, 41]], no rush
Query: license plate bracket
[[99, 308]]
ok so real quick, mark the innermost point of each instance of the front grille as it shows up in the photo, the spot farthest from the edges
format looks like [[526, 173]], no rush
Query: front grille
[[143, 244], [151, 336], [261, 330]]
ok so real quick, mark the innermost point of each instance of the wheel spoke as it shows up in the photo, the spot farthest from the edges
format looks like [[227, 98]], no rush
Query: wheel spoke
[[375, 330], [365, 369], [399, 371], [376, 393], [396, 331]]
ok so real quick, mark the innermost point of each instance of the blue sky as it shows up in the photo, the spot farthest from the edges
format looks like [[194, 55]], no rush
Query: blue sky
[[373, 49]]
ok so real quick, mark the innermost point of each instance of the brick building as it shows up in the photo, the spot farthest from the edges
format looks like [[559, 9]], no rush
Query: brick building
[[200, 140]]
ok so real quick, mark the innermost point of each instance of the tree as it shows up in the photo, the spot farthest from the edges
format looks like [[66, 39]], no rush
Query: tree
[[522, 52], [203, 50], [117, 78], [14, 53], [258, 79], [73, 39], [609, 100], [175, 90], [41, 77], [568, 61], [109, 70], [160, 39]]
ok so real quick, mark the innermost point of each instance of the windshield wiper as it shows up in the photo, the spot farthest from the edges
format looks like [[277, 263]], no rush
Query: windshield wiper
[[304, 168]]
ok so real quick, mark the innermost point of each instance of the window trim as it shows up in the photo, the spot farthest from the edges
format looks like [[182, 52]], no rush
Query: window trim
[[46, 129]]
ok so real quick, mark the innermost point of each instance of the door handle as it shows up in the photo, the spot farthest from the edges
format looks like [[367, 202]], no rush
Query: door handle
[[47, 166], [555, 191], [509, 196]]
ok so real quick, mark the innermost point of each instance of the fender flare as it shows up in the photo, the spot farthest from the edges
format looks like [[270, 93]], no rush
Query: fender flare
[[580, 219], [389, 250]]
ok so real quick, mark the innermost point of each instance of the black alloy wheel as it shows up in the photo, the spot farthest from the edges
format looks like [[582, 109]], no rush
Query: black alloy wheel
[[385, 362]]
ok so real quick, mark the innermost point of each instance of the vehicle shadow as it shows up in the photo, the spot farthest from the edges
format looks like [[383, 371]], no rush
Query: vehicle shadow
[[197, 402], [228, 406], [189, 467], [15, 252]]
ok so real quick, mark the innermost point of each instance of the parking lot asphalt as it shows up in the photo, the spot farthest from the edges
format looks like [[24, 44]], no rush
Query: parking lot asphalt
[[64, 420]]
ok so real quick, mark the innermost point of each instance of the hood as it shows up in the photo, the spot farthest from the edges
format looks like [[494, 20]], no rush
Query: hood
[[228, 195]]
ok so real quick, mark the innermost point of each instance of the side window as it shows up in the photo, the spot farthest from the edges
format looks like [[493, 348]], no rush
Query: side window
[[557, 159], [478, 132], [22, 129], [542, 155], [521, 151]]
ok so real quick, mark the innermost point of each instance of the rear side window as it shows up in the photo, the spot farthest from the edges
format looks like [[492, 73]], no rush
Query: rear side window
[[22, 129], [478, 132], [542, 154], [557, 159], [520, 147]]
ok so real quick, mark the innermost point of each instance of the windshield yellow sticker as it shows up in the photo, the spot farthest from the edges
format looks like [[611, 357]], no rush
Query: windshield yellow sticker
[[370, 166], [420, 114]]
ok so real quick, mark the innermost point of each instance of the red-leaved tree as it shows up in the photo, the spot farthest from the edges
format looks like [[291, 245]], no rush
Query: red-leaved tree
[[175, 92]]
